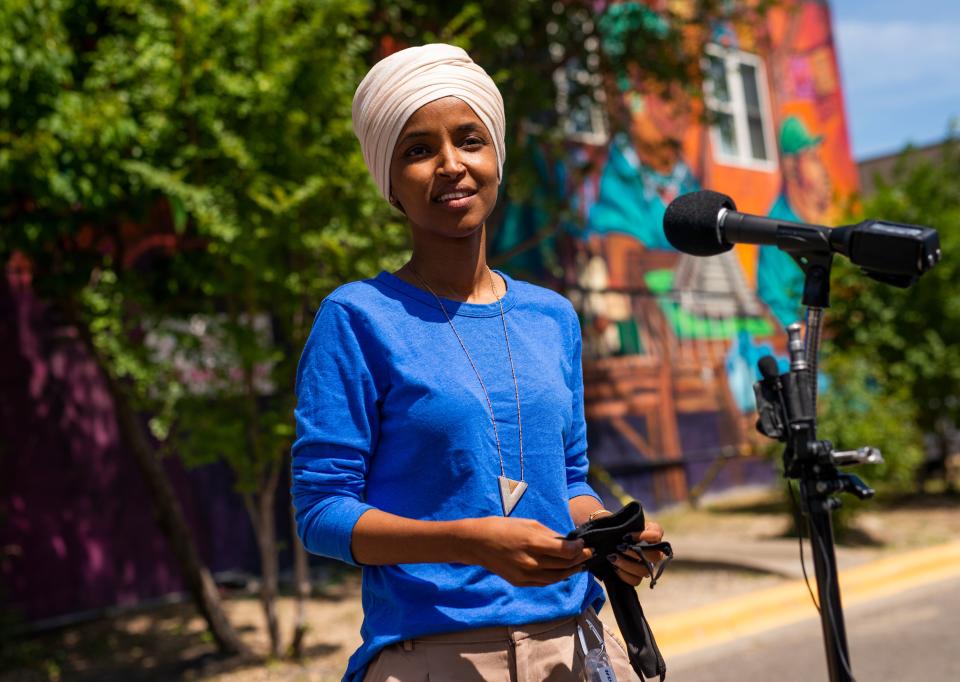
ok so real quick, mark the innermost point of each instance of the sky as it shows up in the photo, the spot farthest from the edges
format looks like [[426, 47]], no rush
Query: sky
[[900, 68]]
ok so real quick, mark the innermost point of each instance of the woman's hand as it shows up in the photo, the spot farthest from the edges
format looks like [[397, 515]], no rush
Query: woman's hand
[[524, 552], [627, 564]]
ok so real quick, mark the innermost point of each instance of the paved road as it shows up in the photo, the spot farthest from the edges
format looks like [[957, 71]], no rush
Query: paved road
[[911, 637]]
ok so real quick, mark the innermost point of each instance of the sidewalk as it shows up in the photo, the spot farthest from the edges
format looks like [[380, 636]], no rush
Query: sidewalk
[[736, 573]]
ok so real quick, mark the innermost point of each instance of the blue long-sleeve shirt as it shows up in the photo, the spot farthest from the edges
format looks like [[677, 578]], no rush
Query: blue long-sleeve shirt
[[390, 415]]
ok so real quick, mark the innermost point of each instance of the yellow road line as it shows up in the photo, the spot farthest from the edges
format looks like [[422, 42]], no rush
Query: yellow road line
[[777, 606]]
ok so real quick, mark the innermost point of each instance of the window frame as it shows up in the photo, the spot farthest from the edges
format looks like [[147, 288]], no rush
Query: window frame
[[732, 59], [599, 133]]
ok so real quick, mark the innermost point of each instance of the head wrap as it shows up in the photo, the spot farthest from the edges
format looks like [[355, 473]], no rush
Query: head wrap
[[405, 81]]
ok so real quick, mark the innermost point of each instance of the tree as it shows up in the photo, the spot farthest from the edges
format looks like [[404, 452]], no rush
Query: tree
[[274, 183], [893, 353], [219, 132], [64, 193]]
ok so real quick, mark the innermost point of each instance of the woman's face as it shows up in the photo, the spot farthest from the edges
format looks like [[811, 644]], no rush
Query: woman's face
[[444, 169]]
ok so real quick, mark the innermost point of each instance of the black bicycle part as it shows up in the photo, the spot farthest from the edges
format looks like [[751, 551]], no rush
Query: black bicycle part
[[786, 406]]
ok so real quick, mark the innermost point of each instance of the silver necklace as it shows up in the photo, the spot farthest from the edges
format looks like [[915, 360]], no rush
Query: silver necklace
[[510, 490]]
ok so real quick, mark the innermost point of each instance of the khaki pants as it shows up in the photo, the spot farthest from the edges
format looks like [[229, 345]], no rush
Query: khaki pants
[[537, 652]]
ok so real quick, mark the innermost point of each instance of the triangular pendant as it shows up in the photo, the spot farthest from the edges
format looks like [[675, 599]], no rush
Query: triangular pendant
[[510, 493]]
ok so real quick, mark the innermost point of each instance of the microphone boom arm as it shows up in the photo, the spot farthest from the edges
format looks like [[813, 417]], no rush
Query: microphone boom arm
[[743, 228]]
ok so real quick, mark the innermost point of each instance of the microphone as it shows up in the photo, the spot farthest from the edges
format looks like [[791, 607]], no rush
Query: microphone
[[707, 223], [768, 368]]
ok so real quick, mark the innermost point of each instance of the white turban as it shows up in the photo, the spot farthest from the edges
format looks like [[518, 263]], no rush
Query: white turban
[[405, 81]]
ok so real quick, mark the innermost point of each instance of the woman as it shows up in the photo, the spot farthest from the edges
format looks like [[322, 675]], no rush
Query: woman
[[441, 442]]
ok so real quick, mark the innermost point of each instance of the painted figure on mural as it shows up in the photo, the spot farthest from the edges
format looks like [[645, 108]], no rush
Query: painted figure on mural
[[645, 170], [592, 301], [806, 197]]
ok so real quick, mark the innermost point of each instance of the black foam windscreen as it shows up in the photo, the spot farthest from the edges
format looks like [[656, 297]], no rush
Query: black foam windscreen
[[690, 223], [768, 367]]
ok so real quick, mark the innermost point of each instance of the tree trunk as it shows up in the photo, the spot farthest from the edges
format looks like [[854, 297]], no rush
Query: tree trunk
[[283, 337], [301, 590], [262, 516], [166, 507]]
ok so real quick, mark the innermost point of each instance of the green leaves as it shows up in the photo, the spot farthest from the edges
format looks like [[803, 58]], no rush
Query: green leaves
[[897, 351], [169, 162], [188, 172]]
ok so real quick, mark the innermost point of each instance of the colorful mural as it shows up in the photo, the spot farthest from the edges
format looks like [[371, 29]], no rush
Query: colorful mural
[[671, 341]]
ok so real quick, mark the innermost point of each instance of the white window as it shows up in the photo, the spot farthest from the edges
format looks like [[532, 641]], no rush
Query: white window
[[735, 92], [580, 101]]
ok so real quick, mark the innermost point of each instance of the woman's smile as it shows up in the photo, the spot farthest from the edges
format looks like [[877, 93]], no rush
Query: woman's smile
[[457, 198]]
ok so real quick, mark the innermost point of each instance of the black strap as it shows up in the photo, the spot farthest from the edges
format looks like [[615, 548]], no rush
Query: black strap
[[655, 570], [610, 534], [645, 656]]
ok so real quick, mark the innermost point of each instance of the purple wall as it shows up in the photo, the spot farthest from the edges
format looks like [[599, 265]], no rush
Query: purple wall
[[76, 527], [699, 434]]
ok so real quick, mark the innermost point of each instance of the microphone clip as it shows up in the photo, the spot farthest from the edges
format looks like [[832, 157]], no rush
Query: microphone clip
[[816, 269]]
